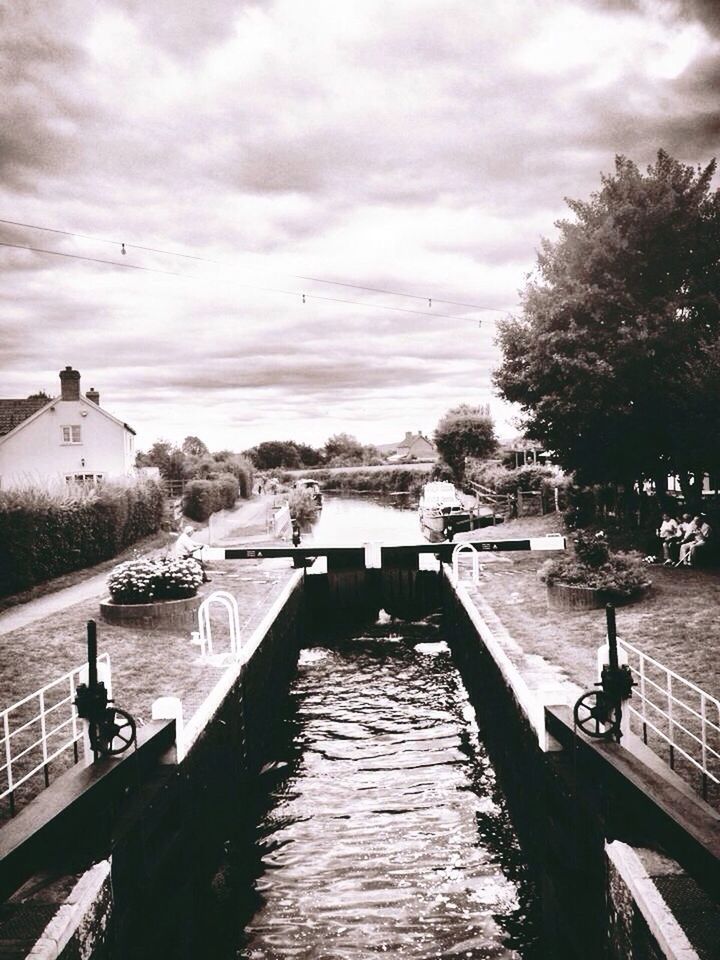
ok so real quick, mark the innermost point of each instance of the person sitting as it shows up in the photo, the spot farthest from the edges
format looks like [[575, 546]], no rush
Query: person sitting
[[187, 548], [669, 538], [694, 541]]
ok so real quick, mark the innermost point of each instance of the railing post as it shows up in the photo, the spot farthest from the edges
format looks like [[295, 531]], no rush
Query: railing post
[[8, 762], [43, 736], [671, 722]]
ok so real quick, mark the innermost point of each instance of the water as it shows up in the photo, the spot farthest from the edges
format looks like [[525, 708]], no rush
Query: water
[[354, 520], [384, 831]]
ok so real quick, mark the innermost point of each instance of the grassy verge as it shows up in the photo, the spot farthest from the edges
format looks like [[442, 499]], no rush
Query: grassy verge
[[676, 623], [146, 664]]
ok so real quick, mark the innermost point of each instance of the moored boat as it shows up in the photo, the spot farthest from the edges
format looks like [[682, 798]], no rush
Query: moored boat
[[441, 511]]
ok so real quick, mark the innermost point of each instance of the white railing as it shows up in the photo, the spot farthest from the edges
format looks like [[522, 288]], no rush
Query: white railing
[[460, 548], [678, 711], [203, 635], [41, 727]]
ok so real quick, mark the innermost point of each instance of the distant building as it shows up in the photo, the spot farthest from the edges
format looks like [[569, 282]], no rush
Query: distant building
[[68, 439], [415, 446], [524, 453]]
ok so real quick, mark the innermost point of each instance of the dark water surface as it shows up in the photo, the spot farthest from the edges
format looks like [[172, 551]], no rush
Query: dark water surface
[[384, 832]]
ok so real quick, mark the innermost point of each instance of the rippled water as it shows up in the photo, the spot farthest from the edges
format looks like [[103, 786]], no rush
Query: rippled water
[[385, 832]]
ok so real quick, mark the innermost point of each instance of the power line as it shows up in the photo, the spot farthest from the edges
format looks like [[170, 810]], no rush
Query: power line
[[174, 253], [247, 286]]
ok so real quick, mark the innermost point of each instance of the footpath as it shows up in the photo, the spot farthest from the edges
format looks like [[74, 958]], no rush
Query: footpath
[[248, 517]]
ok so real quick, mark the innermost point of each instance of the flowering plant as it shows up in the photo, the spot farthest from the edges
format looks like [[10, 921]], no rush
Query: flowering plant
[[622, 575], [142, 581]]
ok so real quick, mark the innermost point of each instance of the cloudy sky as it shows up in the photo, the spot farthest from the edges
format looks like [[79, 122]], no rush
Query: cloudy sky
[[418, 147]]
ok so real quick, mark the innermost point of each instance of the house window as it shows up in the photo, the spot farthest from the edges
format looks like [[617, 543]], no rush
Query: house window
[[83, 479], [71, 434]]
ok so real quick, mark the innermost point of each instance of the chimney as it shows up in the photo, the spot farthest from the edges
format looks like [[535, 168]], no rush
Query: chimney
[[70, 384], [93, 395], [408, 434]]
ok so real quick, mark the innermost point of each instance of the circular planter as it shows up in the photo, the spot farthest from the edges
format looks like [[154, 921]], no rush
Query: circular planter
[[162, 613], [564, 596]]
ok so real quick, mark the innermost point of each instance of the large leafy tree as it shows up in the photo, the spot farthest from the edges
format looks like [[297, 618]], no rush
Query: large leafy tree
[[615, 359], [464, 431]]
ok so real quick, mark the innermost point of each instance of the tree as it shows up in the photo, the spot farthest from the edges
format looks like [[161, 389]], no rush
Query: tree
[[40, 395], [345, 448], [615, 358], [169, 459], [274, 453], [464, 431], [194, 447]]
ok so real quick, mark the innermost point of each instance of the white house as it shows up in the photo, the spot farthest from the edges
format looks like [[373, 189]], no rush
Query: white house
[[415, 446], [70, 438]]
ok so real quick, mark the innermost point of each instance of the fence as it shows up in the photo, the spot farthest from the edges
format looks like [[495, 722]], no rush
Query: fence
[[41, 728], [677, 713]]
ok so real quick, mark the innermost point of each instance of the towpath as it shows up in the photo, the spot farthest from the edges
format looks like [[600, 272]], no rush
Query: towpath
[[248, 516]]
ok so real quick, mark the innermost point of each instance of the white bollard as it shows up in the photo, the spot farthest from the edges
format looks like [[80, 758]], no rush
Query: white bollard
[[171, 708]]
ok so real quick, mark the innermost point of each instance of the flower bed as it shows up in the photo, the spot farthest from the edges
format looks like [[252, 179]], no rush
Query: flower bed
[[153, 592], [592, 576]]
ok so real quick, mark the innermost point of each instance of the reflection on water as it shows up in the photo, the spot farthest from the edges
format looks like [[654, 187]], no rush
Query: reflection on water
[[354, 520], [384, 831]]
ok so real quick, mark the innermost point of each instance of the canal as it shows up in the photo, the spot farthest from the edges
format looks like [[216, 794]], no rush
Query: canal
[[379, 828]]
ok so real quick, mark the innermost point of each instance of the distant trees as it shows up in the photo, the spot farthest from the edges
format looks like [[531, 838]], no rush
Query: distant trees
[[465, 431], [193, 461], [275, 453], [615, 359]]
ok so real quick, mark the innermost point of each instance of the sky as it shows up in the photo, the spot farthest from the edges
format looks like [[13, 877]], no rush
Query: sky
[[239, 149]]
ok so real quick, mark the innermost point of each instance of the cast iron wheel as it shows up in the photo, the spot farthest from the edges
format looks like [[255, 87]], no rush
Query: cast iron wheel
[[596, 715], [114, 734]]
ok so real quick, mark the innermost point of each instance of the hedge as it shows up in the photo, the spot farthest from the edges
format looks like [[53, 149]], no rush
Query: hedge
[[43, 535], [203, 497]]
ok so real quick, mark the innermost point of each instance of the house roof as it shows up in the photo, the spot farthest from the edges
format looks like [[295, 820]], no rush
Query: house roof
[[13, 412]]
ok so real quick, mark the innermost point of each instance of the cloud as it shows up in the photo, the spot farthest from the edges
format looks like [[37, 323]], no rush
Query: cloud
[[381, 144]]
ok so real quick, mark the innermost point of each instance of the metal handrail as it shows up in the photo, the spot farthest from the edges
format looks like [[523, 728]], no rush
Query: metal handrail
[[667, 691], [49, 752]]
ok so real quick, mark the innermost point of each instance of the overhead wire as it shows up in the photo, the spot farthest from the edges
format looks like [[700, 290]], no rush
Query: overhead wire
[[175, 253], [247, 286]]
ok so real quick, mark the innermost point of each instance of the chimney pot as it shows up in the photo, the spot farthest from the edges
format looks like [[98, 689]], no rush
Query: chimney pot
[[69, 384]]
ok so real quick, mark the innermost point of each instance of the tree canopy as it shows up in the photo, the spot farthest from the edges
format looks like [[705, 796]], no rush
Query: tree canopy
[[464, 431], [615, 359]]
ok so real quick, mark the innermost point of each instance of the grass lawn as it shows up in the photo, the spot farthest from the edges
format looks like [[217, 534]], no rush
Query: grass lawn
[[146, 664], [676, 623]]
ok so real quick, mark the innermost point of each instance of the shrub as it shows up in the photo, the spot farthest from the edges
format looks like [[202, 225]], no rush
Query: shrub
[[303, 506], [43, 535], [142, 581], [389, 480], [621, 575], [204, 497]]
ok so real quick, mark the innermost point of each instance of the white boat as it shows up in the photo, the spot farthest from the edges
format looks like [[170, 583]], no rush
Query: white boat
[[441, 510]]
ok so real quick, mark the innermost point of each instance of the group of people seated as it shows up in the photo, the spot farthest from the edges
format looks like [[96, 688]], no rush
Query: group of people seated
[[685, 539]]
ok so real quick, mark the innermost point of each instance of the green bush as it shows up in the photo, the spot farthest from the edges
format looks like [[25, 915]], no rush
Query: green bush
[[43, 535], [592, 565], [142, 581], [303, 506], [201, 498], [390, 480]]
